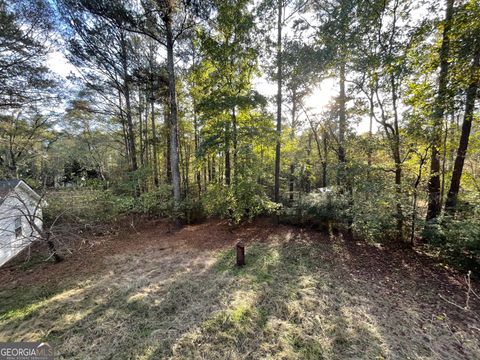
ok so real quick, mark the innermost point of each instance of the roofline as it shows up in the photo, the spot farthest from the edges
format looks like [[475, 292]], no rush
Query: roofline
[[28, 189]]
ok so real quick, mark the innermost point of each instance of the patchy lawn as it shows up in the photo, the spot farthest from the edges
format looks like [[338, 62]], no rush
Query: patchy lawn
[[151, 294]]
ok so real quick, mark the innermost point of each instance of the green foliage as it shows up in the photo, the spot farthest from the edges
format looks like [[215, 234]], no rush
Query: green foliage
[[243, 201], [192, 211], [457, 239], [322, 208], [85, 206], [374, 220], [90, 207], [157, 202]]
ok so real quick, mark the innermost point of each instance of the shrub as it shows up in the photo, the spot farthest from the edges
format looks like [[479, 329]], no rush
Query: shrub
[[374, 220], [243, 201], [193, 211], [458, 239], [85, 206], [158, 202], [322, 208]]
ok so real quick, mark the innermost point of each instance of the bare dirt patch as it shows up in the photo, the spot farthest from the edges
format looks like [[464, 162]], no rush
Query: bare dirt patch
[[152, 293]]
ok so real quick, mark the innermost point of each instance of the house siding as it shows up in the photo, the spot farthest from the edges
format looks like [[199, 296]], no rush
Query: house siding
[[11, 209]]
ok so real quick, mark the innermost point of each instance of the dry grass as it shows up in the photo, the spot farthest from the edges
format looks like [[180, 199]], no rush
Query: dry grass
[[300, 296]]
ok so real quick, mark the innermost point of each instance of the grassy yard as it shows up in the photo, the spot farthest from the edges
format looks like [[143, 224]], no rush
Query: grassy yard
[[302, 295]]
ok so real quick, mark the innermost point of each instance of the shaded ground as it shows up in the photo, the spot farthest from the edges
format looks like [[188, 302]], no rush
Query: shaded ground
[[152, 294]]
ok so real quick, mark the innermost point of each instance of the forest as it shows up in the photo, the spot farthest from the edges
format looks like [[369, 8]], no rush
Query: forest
[[164, 113], [357, 119]]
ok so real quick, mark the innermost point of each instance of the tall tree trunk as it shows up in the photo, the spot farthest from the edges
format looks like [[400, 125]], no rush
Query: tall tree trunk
[[214, 169], [308, 185], [398, 191], [197, 143], [279, 103], [292, 137], [174, 158], [228, 169], [124, 127], [140, 129], [204, 175], [146, 140], [126, 94], [414, 199], [154, 143], [342, 116], [168, 167], [398, 160], [185, 162], [322, 157], [444, 157], [342, 126], [324, 161], [472, 91], [434, 200], [209, 168], [235, 145], [370, 133], [343, 178]]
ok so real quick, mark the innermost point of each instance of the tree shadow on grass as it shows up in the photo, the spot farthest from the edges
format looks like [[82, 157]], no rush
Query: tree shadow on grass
[[277, 307], [114, 315], [408, 296], [295, 299]]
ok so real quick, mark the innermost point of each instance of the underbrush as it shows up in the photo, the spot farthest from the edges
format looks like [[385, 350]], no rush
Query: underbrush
[[243, 201], [329, 209], [456, 239], [369, 216], [373, 218], [323, 209], [104, 206]]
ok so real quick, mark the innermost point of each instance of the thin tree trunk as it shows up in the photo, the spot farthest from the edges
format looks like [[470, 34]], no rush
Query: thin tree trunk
[[141, 130], [324, 162], [398, 161], [434, 200], [342, 123], [204, 174], [126, 93], [472, 91], [197, 143], [174, 162], [322, 157], [155, 145], [444, 160], [235, 145], [228, 169], [168, 167], [209, 168], [279, 103], [292, 137], [214, 171], [146, 141], [370, 134], [124, 127], [414, 201]]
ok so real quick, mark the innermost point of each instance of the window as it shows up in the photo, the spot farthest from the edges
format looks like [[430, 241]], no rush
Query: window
[[18, 227]]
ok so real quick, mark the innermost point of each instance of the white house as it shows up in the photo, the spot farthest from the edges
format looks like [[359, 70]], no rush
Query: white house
[[20, 217]]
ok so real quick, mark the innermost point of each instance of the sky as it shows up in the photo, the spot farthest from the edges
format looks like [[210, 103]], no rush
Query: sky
[[316, 103]]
